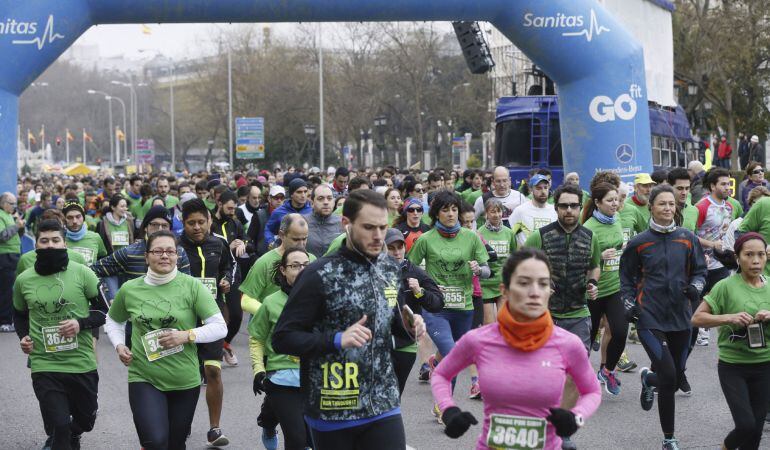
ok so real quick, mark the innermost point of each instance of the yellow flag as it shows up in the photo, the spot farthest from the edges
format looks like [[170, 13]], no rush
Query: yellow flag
[[119, 133], [146, 29]]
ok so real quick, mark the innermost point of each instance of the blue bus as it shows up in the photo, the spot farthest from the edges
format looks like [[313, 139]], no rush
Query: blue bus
[[527, 136]]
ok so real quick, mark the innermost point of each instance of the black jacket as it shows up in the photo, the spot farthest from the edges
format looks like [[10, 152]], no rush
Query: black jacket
[[432, 300], [218, 260], [229, 230], [330, 295]]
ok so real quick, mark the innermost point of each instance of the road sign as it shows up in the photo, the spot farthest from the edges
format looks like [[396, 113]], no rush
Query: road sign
[[249, 137], [145, 151]]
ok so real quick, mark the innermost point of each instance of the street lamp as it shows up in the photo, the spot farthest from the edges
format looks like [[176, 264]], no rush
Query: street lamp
[[108, 97], [134, 113], [310, 133], [172, 74]]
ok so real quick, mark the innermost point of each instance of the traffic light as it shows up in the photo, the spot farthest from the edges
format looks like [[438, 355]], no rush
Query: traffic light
[[474, 46]]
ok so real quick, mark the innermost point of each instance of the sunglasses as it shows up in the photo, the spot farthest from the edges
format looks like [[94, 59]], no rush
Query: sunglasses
[[414, 210], [757, 171], [568, 205]]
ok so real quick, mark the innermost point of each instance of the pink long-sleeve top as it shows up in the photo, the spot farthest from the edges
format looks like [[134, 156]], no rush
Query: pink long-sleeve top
[[519, 383]]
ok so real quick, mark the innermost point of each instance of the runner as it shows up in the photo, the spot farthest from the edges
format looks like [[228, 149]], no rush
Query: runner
[[278, 375], [117, 226], [56, 306], [635, 215], [503, 242], [410, 223], [533, 214], [501, 190], [736, 305], [452, 255], [662, 271], [163, 376], [338, 321], [418, 291], [600, 216], [87, 243], [212, 263], [517, 347], [393, 197], [686, 213]]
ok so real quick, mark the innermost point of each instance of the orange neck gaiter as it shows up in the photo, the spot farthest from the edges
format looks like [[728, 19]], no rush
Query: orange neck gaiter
[[524, 336]]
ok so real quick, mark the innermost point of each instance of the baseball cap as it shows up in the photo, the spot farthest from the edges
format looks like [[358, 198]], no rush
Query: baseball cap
[[643, 178], [537, 179], [277, 190], [393, 235], [755, 138]]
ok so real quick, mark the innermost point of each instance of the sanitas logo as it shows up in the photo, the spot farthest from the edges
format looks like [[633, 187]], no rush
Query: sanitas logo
[[560, 20], [15, 28], [11, 26]]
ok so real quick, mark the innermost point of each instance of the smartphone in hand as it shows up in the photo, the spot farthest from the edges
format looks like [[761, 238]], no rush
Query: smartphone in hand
[[407, 318]]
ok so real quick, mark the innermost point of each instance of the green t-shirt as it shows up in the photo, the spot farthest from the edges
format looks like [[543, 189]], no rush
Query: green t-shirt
[[758, 220], [535, 241], [119, 235], [179, 304], [28, 259], [392, 216], [49, 300], [338, 211], [209, 204], [737, 207], [608, 236], [259, 281], [12, 245], [261, 328], [170, 200], [634, 218], [91, 247], [504, 243], [730, 296], [446, 261], [134, 206], [690, 217], [470, 196], [91, 222], [335, 244]]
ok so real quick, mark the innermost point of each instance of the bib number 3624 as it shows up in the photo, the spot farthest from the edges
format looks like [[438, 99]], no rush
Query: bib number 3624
[[54, 342], [152, 347], [516, 432]]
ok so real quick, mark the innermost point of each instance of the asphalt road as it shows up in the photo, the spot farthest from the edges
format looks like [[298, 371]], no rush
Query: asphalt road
[[702, 419]]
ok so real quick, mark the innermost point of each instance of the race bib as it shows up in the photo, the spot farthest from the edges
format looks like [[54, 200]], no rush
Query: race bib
[[119, 238], [87, 253], [540, 222], [152, 347], [54, 342], [340, 389], [211, 285], [391, 294], [516, 432], [454, 297], [502, 248], [611, 264]]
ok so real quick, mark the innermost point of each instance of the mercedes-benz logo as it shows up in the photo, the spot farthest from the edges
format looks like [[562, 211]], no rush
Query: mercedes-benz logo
[[624, 153]]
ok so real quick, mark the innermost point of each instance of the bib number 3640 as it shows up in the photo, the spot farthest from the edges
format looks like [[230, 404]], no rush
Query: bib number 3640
[[516, 432]]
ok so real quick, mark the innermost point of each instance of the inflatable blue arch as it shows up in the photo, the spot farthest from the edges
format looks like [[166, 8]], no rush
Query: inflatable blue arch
[[597, 65]]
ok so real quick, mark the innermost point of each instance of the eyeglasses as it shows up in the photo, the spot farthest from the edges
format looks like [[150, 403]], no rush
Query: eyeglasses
[[414, 210], [297, 266], [757, 171], [159, 253], [568, 205], [420, 191]]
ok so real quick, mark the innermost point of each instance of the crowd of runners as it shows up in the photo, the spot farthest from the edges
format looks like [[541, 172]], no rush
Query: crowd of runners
[[352, 284]]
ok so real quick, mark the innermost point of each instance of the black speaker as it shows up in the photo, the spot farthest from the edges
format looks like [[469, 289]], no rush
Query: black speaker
[[474, 46]]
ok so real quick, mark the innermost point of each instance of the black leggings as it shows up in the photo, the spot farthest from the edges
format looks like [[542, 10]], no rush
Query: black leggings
[[402, 365], [385, 434], [747, 391], [233, 301], [668, 353], [162, 419], [612, 307], [68, 404], [287, 405]]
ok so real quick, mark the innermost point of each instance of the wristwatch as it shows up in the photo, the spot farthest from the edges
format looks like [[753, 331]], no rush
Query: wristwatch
[[579, 420], [420, 294], [191, 336]]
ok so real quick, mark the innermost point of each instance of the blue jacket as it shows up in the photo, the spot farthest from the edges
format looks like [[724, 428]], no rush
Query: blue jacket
[[271, 229]]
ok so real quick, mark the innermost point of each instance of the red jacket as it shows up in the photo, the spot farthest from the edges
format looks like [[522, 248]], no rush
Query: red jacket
[[724, 151]]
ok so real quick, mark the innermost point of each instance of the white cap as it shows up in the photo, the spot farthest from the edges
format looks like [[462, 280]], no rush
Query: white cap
[[331, 170], [755, 138], [277, 189]]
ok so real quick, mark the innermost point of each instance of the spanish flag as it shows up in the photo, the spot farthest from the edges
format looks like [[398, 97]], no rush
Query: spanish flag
[[87, 137], [146, 29], [31, 137], [119, 133], [70, 137]]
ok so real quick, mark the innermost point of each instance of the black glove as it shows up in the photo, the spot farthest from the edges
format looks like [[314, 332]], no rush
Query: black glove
[[457, 422], [564, 421], [259, 383], [632, 310], [691, 292]]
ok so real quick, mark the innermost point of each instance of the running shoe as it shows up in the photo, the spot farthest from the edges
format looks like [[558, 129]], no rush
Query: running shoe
[[48, 443], [647, 395], [216, 438], [633, 337], [625, 364], [437, 414], [424, 374], [702, 341], [670, 444], [684, 386], [599, 375], [270, 439], [7, 328], [596, 346], [567, 444], [475, 391], [432, 363], [609, 380], [230, 357]]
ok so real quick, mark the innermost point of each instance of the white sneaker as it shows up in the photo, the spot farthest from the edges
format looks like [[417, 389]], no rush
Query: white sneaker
[[703, 337], [230, 357]]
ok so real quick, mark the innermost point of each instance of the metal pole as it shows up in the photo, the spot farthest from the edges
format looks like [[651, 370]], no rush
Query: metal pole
[[125, 139], [230, 107], [173, 140], [112, 144], [321, 94], [136, 127]]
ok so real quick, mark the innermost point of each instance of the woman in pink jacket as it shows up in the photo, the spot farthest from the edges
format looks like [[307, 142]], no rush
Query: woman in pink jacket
[[525, 346]]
